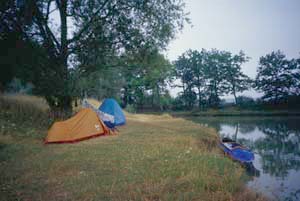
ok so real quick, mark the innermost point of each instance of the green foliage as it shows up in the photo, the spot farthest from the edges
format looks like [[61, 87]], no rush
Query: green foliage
[[104, 30], [278, 77], [130, 108], [100, 84], [146, 79], [178, 103], [215, 75], [207, 75], [190, 70], [237, 80], [166, 101], [19, 58], [245, 102], [16, 86]]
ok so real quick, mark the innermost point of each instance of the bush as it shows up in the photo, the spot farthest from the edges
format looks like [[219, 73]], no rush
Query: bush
[[178, 103], [130, 109], [16, 86], [245, 101]]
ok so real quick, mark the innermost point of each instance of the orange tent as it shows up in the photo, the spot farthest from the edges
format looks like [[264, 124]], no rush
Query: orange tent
[[84, 125]]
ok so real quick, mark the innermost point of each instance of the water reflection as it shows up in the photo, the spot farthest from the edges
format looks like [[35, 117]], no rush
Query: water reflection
[[276, 143]]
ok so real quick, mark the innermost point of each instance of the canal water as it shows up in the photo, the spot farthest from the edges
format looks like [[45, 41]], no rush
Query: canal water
[[276, 144]]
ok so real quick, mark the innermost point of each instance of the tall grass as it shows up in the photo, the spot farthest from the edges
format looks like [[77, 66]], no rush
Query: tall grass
[[23, 108]]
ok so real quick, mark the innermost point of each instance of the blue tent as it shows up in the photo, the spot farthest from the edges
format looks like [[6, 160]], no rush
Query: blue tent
[[111, 113]]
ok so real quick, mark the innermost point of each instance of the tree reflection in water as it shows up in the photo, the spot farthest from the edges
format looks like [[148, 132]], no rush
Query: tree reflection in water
[[279, 148], [275, 140]]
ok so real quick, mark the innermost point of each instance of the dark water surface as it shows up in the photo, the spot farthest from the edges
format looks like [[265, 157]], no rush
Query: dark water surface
[[276, 143]]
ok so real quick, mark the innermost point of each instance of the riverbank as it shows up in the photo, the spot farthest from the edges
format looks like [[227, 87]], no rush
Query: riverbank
[[275, 141], [237, 112], [154, 157]]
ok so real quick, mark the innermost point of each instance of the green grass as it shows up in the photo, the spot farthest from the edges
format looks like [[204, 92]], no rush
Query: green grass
[[154, 157]]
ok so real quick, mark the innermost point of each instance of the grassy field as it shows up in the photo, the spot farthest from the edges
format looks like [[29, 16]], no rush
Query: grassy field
[[154, 157]]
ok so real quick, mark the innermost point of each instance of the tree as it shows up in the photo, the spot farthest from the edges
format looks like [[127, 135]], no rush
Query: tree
[[212, 74], [146, 77], [215, 71], [295, 74], [237, 80], [116, 26], [156, 78], [245, 101], [100, 84], [183, 71], [197, 61], [277, 77]]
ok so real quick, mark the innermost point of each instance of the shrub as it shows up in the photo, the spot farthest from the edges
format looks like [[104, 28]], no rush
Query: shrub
[[16, 86], [245, 101], [130, 109]]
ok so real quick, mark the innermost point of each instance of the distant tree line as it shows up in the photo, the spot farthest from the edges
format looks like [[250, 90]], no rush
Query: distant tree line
[[115, 51], [205, 76]]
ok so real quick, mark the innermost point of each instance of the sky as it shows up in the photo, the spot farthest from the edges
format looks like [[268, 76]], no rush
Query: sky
[[257, 27]]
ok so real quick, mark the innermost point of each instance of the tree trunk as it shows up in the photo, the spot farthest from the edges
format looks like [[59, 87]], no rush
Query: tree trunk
[[65, 100], [216, 95], [199, 91], [234, 94], [125, 98], [76, 102], [184, 92], [199, 97], [158, 97], [235, 99]]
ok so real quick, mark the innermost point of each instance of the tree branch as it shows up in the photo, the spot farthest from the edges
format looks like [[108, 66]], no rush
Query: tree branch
[[87, 25], [43, 25], [58, 4], [48, 10], [17, 26], [45, 30], [52, 36]]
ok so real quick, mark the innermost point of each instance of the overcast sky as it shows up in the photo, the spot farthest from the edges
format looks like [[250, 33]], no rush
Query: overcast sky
[[255, 26]]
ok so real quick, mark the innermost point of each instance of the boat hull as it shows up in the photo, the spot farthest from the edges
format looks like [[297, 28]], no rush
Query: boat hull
[[243, 155]]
